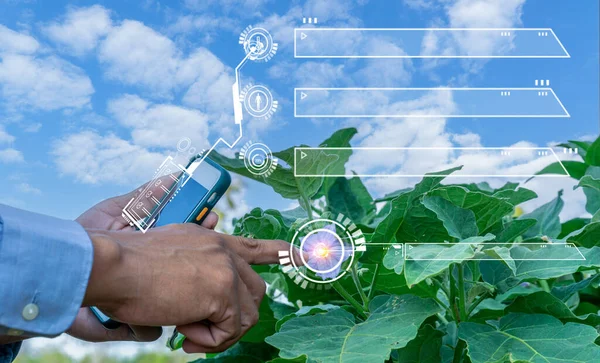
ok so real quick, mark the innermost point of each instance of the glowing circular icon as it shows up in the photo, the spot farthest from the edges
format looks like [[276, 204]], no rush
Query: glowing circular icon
[[258, 44], [327, 249], [258, 159], [258, 101]]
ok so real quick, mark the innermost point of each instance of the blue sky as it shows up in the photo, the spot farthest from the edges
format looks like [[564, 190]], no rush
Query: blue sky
[[93, 96]]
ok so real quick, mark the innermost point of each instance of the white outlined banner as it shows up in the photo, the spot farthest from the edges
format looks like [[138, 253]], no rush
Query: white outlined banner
[[476, 162], [482, 251], [440, 102], [427, 43]]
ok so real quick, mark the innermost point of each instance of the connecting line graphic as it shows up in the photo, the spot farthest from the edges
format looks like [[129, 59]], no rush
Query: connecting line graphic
[[143, 210], [237, 114]]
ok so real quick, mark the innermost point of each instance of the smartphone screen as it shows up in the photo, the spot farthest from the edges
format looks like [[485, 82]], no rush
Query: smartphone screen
[[193, 193]]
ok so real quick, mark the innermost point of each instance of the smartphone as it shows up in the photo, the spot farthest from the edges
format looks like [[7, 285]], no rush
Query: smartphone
[[193, 203]]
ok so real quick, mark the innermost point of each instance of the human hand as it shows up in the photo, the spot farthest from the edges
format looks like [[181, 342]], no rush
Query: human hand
[[183, 275], [107, 215]]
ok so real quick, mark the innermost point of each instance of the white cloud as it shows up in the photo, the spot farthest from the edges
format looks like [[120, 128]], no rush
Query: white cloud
[[159, 125], [81, 28], [32, 128], [13, 42], [309, 74], [154, 130], [11, 155], [421, 4], [206, 25], [211, 90], [5, 137], [136, 54], [485, 13], [28, 189], [47, 84], [246, 8], [92, 158]]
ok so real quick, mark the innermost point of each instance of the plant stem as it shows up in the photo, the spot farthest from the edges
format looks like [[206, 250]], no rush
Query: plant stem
[[477, 302], [361, 292], [452, 297], [458, 352], [442, 318], [352, 301], [462, 310], [442, 287], [319, 212], [440, 303], [544, 285], [373, 282], [307, 206]]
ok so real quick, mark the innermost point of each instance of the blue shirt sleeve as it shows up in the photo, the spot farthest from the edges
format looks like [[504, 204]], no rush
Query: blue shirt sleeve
[[45, 264]]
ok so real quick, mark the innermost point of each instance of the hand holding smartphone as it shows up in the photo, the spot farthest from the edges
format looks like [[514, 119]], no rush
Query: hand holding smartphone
[[192, 204]]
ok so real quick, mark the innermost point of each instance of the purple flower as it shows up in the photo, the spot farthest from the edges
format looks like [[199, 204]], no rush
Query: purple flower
[[324, 250]]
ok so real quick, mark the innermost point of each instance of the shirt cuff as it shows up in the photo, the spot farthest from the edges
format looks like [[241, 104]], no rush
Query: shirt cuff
[[45, 264]]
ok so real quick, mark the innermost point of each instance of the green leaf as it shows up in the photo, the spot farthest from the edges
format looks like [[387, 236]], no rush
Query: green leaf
[[301, 359], [265, 325], [565, 292], [531, 338], [243, 352], [519, 290], [392, 195], [547, 217], [351, 198], [282, 180], [425, 348], [340, 138], [590, 182], [336, 337], [547, 263], [306, 311], [427, 260], [502, 254], [543, 263], [542, 302], [259, 224], [460, 223], [515, 229], [394, 260], [582, 146], [389, 282], [488, 210], [515, 196], [593, 153], [387, 228], [572, 225], [576, 169], [588, 236], [592, 194]]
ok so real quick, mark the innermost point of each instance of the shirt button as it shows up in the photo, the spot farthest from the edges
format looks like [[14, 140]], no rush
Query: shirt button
[[30, 311]]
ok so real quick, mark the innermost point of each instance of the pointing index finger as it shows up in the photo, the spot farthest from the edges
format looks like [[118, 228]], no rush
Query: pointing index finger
[[256, 251]]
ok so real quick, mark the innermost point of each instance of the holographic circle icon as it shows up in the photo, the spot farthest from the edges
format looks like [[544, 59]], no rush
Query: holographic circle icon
[[327, 249], [258, 44], [258, 101], [258, 159]]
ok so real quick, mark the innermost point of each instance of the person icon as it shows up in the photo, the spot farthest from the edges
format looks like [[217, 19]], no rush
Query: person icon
[[259, 44], [258, 102]]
